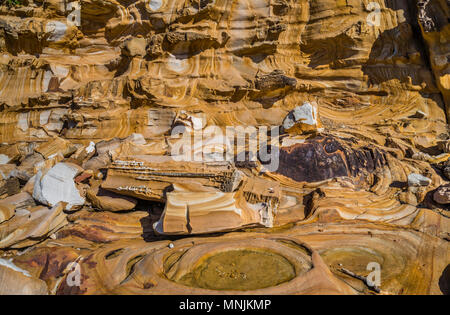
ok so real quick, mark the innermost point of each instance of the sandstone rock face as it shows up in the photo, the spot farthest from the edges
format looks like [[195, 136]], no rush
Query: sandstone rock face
[[224, 147]]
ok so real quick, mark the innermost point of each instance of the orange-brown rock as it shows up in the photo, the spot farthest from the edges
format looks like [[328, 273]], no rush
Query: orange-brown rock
[[148, 177], [119, 115], [109, 201], [18, 282]]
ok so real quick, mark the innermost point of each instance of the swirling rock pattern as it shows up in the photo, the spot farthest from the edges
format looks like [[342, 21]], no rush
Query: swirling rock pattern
[[117, 89]]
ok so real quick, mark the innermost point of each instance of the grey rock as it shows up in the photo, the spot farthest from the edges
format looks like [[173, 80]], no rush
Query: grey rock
[[417, 180]]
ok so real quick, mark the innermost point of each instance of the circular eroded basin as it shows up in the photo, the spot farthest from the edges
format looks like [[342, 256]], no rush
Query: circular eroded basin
[[242, 270]]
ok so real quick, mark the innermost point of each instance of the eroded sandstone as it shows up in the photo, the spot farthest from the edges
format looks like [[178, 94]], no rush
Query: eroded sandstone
[[115, 157]]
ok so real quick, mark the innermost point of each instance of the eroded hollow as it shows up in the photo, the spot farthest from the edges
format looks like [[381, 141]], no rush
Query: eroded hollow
[[240, 270]]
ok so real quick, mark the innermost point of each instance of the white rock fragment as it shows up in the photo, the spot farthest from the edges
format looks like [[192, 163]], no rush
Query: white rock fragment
[[417, 180], [171, 245], [56, 30], [420, 114], [155, 4], [22, 122], [302, 119], [58, 185], [4, 159], [91, 147]]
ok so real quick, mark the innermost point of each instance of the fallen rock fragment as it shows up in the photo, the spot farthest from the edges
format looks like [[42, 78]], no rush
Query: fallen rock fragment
[[6, 212], [84, 176], [56, 146], [417, 180], [7, 171], [442, 195], [83, 153], [205, 212], [105, 226], [109, 201], [106, 151], [303, 119], [421, 156], [57, 185]]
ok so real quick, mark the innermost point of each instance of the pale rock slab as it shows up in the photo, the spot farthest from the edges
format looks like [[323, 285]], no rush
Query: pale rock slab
[[303, 119], [4, 159], [58, 185], [417, 180]]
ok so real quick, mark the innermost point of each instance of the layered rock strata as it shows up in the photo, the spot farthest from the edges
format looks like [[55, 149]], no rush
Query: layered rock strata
[[116, 164]]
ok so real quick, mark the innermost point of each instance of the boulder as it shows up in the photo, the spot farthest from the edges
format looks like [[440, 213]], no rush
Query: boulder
[[58, 185], [199, 210]]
